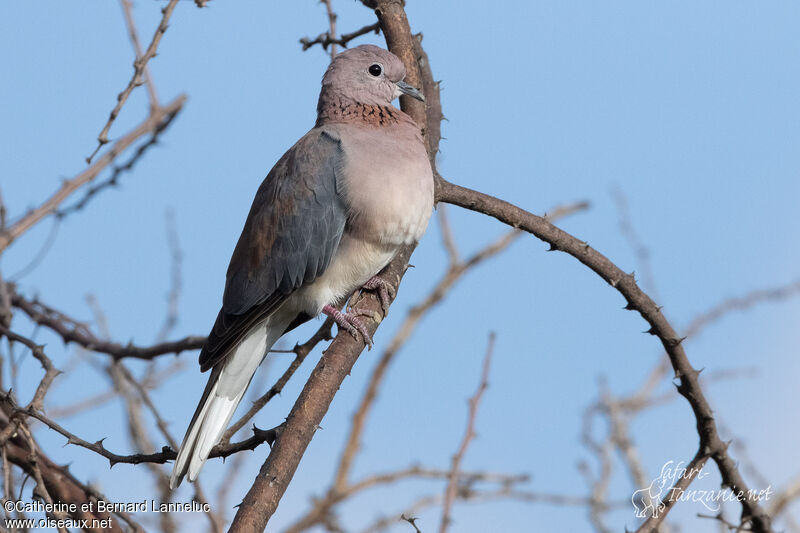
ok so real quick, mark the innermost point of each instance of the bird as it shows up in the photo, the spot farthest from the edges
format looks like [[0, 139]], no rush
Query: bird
[[335, 209]]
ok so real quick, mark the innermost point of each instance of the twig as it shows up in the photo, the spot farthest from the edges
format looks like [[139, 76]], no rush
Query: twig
[[40, 255], [61, 485], [157, 120], [741, 303], [448, 240], [51, 371], [598, 484], [138, 70], [411, 520], [300, 351], [150, 382], [325, 39], [692, 470], [413, 318], [116, 173], [639, 248], [505, 493], [127, 10], [332, 24], [3, 214], [139, 436], [259, 437], [71, 330], [711, 445], [469, 434], [40, 489], [176, 259]]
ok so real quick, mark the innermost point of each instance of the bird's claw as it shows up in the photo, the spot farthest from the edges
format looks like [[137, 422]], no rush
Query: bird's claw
[[385, 291], [349, 322]]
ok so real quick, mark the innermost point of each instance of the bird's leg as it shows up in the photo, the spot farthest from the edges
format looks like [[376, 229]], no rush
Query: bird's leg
[[350, 322], [385, 291]]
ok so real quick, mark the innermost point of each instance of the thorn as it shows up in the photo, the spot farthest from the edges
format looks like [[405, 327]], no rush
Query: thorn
[[629, 307], [675, 341]]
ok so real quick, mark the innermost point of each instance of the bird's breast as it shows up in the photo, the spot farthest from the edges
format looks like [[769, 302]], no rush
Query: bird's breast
[[386, 183]]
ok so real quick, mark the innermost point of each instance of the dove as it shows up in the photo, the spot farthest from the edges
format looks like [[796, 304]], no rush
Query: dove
[[330, 215]]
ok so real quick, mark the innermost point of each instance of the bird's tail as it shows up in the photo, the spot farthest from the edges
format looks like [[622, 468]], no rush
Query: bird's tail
[[226, 386]]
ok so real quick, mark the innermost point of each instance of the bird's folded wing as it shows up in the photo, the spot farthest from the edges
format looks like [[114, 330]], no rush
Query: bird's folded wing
[[289, 238]]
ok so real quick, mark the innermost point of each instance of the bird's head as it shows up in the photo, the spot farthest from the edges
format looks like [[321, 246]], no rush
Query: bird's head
[[369, 75]]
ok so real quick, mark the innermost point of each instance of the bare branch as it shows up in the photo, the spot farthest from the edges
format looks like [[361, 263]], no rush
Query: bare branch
[[741, 303], [411, 520], [639, 248], [155, 122], [38, 352], [692, 470], [58, 482], [138, 71], [176, 259], [332, 24], [448, 240], [127, 10], [711, 445], [415, 315], [70, 330], [116, 172], [326, 39], [259, 437], [469, 434]]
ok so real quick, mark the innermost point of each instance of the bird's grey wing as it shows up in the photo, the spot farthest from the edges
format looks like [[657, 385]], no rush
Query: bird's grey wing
[[289, 238]]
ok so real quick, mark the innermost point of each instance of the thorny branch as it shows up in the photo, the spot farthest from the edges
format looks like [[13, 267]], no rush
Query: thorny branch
[[116, 172], [139, 66], [259, 437], [618, 410], [711, 445], [71, 330], [158, 120]]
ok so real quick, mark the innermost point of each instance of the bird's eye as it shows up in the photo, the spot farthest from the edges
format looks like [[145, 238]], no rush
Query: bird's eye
[[375, 70]]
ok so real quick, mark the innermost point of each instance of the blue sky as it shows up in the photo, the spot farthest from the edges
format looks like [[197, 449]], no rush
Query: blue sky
[[689, 108]]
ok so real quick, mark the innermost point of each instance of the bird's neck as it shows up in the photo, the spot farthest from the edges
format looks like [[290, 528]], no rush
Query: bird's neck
[[335, 108]]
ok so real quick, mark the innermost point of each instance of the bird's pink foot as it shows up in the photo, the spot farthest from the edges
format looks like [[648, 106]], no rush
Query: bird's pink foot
[[350, 322], [385, 291]]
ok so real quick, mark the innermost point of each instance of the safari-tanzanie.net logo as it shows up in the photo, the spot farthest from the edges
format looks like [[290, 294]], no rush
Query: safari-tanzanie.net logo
[[652, 500]]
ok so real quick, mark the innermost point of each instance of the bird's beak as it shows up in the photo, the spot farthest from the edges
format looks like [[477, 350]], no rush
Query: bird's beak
[[413, 92]]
